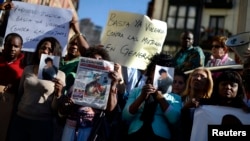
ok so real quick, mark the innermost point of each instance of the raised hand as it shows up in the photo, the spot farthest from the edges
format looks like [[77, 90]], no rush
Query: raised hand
[[7, 5]]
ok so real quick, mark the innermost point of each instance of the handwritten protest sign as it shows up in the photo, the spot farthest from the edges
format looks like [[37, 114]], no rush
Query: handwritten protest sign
[[34, 22], [132, 39]]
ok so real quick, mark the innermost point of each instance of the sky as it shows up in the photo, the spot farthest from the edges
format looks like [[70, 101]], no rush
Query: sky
[[98, 10]]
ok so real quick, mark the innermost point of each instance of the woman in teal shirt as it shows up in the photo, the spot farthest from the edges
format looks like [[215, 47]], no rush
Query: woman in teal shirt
[[150, 112]]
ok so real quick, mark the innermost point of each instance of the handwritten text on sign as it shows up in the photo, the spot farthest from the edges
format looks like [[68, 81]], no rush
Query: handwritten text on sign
[[34, 22], [132, 39]]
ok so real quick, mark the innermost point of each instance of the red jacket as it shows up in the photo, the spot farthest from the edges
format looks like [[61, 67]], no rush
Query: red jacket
[[10, 73]]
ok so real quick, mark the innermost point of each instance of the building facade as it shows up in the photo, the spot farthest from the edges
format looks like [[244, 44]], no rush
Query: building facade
[[92, 32], [205, 18]]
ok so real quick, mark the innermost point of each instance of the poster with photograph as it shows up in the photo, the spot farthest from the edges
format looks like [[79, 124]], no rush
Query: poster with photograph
[[163, 78], [92, 84], [48, 67], [222, 116]]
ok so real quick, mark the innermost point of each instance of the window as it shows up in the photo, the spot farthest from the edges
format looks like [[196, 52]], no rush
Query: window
[[181, 17], [216, 23]]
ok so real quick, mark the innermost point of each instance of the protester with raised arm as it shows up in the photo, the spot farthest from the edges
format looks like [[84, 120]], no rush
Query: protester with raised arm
[[76, 47], [7, 5]]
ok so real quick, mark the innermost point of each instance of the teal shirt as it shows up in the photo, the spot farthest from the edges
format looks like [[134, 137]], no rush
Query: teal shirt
[[159, 124], [69, 68], [191, 58]]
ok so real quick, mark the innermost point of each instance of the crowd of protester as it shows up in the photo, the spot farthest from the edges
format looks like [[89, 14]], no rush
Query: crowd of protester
[[32, 109]]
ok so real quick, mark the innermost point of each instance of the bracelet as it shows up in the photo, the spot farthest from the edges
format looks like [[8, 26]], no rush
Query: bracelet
[[78, 34]]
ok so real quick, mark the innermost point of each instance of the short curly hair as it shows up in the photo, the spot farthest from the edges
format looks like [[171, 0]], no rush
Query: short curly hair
[[8, 37], [90, 52]]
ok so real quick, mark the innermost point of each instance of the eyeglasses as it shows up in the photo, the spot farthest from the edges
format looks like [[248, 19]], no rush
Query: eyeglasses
[[46, 48], [216, 46]]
